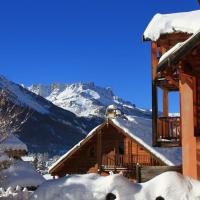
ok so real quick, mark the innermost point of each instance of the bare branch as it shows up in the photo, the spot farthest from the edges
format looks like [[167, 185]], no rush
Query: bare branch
[[12, 116]]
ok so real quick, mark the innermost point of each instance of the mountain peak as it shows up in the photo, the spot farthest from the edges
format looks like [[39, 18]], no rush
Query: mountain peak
[[84, 99]]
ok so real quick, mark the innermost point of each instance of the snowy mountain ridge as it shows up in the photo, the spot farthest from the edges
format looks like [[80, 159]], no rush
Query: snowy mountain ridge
[[48, 128], [85, 99]]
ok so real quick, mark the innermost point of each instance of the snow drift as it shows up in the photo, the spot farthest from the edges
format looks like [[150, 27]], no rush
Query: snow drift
[[22, 174], [169, 185]]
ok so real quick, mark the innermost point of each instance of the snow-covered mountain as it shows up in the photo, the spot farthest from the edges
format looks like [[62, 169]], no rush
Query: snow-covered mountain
[[66, 114], [49, 128], [85, 99]]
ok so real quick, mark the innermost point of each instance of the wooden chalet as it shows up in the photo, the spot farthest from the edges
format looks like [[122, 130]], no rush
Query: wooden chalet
[[14, 147], [116, 145], [175, 53]]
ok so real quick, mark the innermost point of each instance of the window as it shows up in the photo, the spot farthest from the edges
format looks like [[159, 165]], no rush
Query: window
[[121, 146], [92, 152]]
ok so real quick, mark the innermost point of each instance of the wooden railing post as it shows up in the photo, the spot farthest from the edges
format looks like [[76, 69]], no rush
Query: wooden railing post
[[99, 151], [154, 93]]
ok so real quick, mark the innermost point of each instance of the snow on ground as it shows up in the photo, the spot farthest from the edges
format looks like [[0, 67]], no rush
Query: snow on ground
[[48, 176], [169, 185], [15, 193], [187, 22], [4, 157], [13, 143], [20, 173]]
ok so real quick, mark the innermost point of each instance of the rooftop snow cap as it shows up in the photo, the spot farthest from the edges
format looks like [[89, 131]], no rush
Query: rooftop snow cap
[[13, 143], [184, 22], [112, 112]]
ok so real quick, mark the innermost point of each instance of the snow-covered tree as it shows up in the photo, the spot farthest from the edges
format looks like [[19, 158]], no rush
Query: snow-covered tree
[[12, 116]]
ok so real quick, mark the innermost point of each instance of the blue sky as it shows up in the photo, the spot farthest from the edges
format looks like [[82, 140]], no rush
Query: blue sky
[[44, 41]]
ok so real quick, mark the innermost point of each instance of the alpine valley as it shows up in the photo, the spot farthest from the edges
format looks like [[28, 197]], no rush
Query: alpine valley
[[62, 114]]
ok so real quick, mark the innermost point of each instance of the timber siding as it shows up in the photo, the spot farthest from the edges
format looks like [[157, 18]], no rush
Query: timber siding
[[109, 148]]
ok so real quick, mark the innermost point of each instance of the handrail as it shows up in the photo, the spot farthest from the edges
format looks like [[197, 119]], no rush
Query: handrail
[[127, 160], [168, 129]]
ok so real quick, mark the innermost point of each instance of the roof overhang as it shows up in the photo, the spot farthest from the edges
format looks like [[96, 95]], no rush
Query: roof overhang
[[176, 56]]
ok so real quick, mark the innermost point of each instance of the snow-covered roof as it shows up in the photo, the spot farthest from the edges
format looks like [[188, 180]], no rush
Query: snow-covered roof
[[3, 158], [185, 22], [13, 143], [20, 173], [140, 130], [170, 51], [72, 149], [180, 49], [28, 158]]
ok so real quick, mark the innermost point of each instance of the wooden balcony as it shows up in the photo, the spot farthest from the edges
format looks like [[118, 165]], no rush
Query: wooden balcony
[[168, 133], [123, 162]]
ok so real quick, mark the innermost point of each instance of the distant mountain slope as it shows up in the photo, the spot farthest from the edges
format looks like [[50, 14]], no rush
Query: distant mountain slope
[[85, 99], [49, 128]]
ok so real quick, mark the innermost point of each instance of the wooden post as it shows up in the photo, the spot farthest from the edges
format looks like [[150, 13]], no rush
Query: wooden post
[[154, 93], [165, 103], [138, 173], [99, 151], [189, 143]]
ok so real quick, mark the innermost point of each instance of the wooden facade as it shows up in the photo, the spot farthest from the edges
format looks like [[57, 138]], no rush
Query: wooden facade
[[109, 148], [178, 71]]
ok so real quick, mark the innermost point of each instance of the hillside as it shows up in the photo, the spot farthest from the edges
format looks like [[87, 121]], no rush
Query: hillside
[[49, 128]]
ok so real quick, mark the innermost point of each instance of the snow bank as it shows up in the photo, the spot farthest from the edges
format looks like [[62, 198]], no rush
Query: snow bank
[[15, 193], [170, 185], [13, 143], [187, 22], [22, 174]]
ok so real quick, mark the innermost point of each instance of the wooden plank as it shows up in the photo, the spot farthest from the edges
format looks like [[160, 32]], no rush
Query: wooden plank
[[99, 151], [148, 172], [154, 93], [165, 103]]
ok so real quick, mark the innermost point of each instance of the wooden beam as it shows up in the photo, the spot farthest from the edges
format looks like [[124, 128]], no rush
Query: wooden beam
[[172, 81], [165, 103], [99, 151], [154, 92]]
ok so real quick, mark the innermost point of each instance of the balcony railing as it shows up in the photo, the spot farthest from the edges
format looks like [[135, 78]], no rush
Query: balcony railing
[[168, 131], [128, 160]]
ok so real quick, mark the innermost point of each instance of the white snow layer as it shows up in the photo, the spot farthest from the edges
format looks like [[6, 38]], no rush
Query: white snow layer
[[176, 47], [15, 193], [83, 99], [171, 51], [20, 173], [139, 128], [186, 22], [4, 157], [13, 143], [169, 185], [20, 96]]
